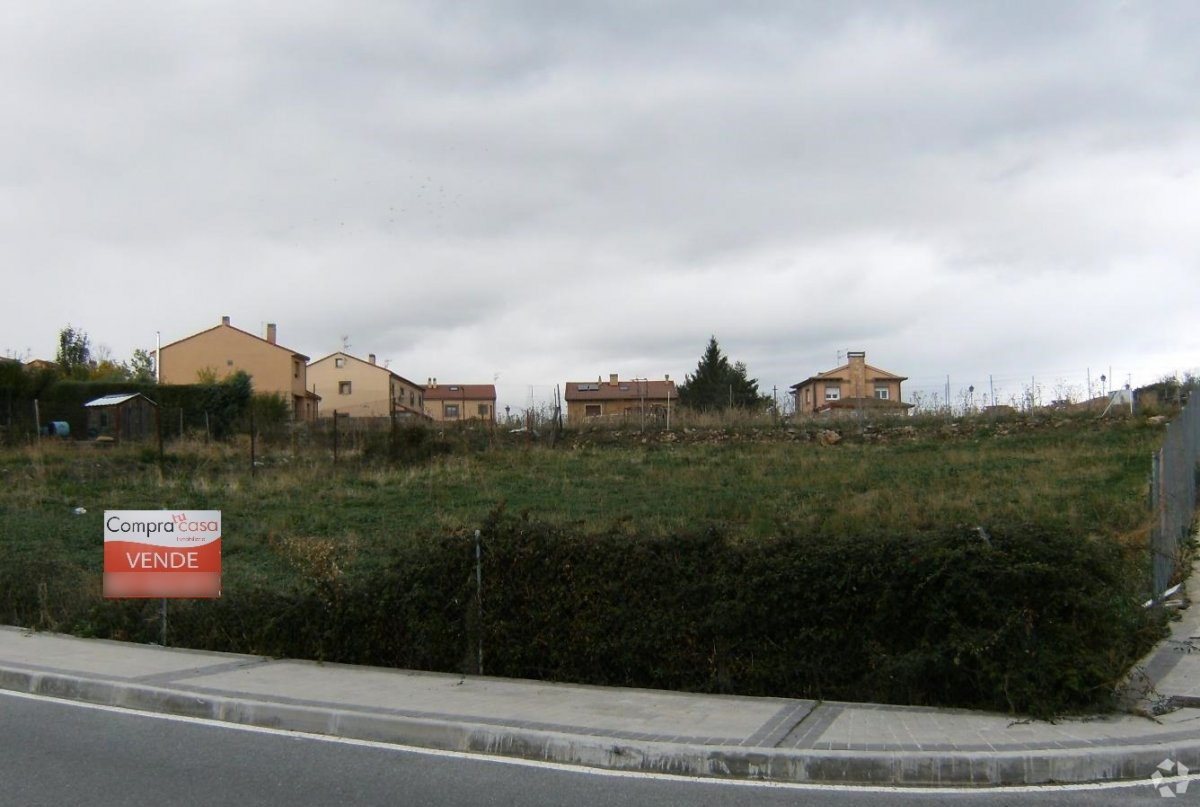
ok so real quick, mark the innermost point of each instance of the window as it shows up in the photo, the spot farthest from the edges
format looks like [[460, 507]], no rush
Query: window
[[451, 410], [881, 392], [339, 362], [483, 410], [833, 392], [591, 410], [295, 368], [343, 388]]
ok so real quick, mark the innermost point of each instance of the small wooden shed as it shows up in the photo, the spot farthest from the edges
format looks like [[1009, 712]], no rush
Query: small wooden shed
[[124, 416]]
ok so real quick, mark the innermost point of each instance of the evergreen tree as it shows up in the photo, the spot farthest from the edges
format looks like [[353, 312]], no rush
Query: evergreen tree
[[718, 385]]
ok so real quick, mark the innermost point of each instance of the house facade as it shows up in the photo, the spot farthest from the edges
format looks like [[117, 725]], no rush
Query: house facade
[[451, 402], [587, 400], [221, 351], [356, 388], [854, 387]]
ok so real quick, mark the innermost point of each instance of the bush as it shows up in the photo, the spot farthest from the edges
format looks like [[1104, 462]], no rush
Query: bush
[[1021, 619]]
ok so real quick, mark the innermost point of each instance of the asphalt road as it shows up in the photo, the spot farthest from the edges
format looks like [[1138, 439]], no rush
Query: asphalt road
[[59, 752]]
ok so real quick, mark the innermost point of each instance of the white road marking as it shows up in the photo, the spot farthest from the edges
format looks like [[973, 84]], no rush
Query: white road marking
[[983, 790]]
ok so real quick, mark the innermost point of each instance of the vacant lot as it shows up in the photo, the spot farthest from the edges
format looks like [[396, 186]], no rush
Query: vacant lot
[[313, 550]]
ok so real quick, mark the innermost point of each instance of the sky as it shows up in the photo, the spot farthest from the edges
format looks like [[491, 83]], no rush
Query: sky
[[996, 194]]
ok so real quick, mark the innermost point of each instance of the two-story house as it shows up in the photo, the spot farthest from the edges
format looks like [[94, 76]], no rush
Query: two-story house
[[221, 351], [449, 402], [615, 398], [357, 388], [855, 386]]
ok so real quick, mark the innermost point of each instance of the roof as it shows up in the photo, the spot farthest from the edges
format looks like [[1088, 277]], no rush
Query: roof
[[635, 390], [116, 399], [239, 330], [843, 373], [456, 392], [343, 354]]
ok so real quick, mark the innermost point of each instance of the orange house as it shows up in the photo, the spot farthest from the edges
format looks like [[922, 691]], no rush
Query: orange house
[[357, 388], [854, 387], [221, 351], [616, 398], [448, 402]]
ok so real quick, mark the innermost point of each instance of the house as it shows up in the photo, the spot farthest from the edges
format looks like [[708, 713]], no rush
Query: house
[[41, 364], [446, 402], [637, 397], [222, 350], [122, 417], [854, 387], [356, 388]]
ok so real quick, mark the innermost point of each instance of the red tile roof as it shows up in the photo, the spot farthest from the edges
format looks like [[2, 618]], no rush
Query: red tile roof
[[621, 391], [457, 392]]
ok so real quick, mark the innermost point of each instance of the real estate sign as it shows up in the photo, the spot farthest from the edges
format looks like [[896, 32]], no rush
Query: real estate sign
[[162, 553]]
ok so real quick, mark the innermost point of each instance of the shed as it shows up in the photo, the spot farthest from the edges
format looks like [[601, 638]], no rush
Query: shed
[[123, 416]]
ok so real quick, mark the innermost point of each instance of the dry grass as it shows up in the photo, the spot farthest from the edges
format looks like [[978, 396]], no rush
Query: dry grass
[[1083, 474]]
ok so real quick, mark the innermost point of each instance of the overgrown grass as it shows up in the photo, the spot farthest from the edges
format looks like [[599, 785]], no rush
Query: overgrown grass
[[1088, 474], [305, 539]]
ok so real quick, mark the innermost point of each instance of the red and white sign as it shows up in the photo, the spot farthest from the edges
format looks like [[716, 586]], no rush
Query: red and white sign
[[162, 553]]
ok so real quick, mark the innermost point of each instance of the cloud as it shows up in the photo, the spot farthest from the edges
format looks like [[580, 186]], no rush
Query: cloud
[[545, 190]]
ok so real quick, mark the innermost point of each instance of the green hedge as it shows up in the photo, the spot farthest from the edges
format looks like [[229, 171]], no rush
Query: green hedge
[[1020, 619], [216, 407]]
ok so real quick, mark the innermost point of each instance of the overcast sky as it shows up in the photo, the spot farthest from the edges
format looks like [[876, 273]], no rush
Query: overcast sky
[[543, 191]]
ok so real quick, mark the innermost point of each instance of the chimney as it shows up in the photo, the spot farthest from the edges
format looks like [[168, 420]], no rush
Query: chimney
[[612, 379], [271, 332], [371, 358], [857, 360], [668, 376], [224, 320], [435, 382]]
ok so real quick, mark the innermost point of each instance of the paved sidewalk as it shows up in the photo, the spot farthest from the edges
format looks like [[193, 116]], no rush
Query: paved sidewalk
[[697, 735], [644, 730]]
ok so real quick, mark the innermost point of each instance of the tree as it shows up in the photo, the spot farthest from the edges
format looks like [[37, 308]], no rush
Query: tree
[[718, 385], [141, 366], [74, 352]]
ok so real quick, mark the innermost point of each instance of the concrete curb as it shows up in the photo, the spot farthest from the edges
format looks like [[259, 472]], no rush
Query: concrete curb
[[848, 767]]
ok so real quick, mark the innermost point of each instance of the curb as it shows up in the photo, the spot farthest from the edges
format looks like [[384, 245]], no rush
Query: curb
[[898, 768]]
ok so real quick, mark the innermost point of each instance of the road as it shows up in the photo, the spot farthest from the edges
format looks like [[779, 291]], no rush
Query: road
[[59, 752]]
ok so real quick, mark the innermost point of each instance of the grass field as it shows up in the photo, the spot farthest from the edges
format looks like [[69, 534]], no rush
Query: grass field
[[1086, 473], [724, 559]]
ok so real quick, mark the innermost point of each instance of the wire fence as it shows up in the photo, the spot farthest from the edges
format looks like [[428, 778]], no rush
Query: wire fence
[[1174, 480], [955, 395]]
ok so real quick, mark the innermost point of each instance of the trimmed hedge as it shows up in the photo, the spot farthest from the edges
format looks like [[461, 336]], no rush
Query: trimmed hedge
[[1022, 619], [1019, 619], [217, 407]]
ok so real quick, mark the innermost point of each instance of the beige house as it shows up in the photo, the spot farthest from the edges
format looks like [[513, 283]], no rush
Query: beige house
[[855, 386], [616, 398], [221, 351], [356, 388], [447, 402]]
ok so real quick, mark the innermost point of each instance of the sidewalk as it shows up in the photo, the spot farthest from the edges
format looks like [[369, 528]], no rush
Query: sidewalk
[[629, 729]]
